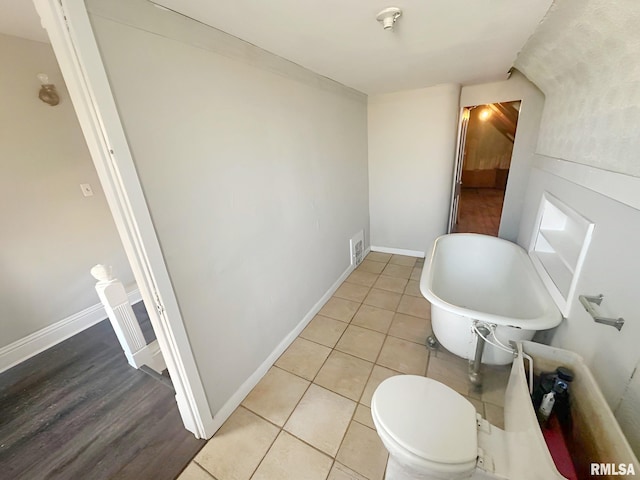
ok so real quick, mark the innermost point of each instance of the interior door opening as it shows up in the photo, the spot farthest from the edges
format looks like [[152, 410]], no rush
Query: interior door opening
[[487, 135], [74, 45]]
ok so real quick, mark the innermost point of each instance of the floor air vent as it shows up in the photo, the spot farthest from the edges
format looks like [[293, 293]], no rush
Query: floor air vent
[[356, 245]]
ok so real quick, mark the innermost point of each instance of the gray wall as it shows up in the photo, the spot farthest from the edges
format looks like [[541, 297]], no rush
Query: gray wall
[[255, 173], [51, 235], [584, 58], [412, 139], [610, 268]]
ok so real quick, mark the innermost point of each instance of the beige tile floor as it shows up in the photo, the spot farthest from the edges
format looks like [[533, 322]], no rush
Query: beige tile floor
[[309, 417]]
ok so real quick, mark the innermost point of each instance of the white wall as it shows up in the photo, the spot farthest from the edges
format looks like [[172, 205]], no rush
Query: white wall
[[584, 58], [517, 87], [51, 234], [412, 137], [611, 268], [255, 173]]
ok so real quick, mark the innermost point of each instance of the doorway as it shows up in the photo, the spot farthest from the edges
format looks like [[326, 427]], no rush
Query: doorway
[[76, 409], [485, 148], [71, 35]]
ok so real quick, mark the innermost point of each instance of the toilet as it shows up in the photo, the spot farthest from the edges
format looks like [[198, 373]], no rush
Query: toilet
[[433, 432]]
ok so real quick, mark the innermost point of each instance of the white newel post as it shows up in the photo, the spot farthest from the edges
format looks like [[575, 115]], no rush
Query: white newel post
[[116, 303]]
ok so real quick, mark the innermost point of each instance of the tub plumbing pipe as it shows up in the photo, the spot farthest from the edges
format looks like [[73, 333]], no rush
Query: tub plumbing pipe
[[482, 332]]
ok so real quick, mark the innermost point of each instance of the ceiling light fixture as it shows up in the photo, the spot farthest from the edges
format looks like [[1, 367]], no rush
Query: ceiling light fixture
[[485, 113], [388, 17]]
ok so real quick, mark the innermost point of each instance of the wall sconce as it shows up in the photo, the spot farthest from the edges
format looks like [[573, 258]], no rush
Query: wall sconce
[[47, 92]]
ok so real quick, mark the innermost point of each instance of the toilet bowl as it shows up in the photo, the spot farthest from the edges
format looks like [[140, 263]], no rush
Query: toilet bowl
[[428, 428], [433, 432]]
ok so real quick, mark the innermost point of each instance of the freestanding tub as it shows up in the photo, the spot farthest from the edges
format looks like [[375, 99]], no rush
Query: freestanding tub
[[470, 277]]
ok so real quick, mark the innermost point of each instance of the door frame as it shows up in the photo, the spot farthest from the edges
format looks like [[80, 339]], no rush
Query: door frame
[[69, 29], [457, 168], [465, 113]]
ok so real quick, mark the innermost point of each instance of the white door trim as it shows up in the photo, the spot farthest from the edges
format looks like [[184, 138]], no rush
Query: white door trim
[[74, 44], [457, 168]]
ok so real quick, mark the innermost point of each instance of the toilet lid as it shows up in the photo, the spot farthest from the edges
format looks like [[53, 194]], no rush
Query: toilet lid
[[427, 418]]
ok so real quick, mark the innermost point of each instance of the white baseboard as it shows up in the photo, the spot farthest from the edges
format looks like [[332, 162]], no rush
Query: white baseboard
[[236, 399], [398, 251], [29, 346], [151, 356]]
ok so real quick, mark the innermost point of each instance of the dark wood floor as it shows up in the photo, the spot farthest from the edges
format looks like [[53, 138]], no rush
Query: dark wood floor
[[79, 411], [480, 211]]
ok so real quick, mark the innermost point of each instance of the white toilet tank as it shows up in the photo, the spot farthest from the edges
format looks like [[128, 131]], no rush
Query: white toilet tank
[[599, 438], [430, 430]]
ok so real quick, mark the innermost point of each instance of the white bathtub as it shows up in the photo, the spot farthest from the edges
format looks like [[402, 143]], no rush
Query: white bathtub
[[471, 277]]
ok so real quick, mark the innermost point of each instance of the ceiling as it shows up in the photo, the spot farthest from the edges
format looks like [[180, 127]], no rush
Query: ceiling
[[503, 117], [434, 41], [19, 18]]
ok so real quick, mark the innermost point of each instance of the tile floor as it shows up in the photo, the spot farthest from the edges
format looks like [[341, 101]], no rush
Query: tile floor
[[309, 417], [480, 211]]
